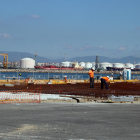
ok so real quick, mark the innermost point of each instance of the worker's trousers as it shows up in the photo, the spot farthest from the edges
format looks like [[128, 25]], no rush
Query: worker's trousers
[[91, 82], [103, 82]]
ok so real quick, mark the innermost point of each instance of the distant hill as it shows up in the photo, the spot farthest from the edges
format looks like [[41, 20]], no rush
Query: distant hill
[[127, 59], [16, 56]]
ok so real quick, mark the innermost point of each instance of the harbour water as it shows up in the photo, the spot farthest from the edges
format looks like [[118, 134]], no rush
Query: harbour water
[[24, 75]]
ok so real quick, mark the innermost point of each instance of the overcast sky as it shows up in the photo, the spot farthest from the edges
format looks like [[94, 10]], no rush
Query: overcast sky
[[52, 28]]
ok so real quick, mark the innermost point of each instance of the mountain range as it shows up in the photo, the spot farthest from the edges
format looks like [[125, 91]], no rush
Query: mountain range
[[16, 56]]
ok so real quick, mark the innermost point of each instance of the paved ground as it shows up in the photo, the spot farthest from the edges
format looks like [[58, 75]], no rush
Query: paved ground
[[69, 121]]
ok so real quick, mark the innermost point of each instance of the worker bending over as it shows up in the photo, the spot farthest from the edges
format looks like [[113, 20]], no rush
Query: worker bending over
[[91, 75], [104, 80]]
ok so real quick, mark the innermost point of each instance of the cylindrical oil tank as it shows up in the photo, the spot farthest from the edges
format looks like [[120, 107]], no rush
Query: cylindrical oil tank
[[82, 64], [93, 64], [118, 65], [65, 64], [105, 64], [137, 66], [27, 63], [129, 65], [88, 65]]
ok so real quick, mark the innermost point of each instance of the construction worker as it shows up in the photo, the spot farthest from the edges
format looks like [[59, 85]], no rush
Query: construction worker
[[91, 75], [104, 80]]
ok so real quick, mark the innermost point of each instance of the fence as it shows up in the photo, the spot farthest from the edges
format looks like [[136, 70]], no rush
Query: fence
[[19, 97], [41, 77], [135, 77], [60, 76], [76, 77]]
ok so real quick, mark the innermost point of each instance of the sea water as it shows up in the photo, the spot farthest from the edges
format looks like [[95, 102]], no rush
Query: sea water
[[24, 75]]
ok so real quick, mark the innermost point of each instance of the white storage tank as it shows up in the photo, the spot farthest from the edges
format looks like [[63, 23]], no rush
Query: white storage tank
[[27, 63], [93, 67], [137, 66], [118, 65], [65, 64], [105, 64], [93, 64], [88, 65], [129, 65], [82, 64]]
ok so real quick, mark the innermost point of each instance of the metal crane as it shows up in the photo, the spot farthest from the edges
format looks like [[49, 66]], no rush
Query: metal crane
[[5, 57]]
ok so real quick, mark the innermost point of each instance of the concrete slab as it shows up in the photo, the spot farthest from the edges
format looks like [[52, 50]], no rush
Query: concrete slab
[[70, 121]]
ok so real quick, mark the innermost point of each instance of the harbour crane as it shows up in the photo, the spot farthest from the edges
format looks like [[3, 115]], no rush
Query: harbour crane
[[5, 60]]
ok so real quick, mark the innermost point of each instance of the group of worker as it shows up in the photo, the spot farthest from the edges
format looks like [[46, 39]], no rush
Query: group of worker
[[104, 80]]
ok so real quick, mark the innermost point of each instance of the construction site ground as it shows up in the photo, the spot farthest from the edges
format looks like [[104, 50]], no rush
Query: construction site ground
[[69, 121], [87, 101], [77, 92]]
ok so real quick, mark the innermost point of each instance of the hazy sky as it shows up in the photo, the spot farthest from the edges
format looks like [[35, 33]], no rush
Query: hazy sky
[[52, 28]]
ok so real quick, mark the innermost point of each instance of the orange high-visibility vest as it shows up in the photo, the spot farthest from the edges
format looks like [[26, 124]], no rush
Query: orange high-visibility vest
[[91, 73], [106, 78]]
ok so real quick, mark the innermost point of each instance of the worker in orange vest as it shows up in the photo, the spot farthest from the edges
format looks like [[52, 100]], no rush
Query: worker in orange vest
[[104, 80], [91, 75]]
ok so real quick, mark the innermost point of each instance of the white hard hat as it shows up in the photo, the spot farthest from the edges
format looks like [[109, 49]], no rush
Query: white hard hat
[[92, 68], [107, 76]]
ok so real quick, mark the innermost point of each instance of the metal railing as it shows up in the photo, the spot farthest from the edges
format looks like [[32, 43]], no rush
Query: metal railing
[[58, 76], [75, 77], [135, 77]]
